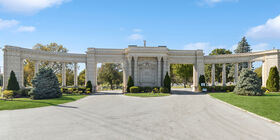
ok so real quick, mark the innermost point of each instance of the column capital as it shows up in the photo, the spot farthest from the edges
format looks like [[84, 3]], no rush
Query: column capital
[[159, 58]]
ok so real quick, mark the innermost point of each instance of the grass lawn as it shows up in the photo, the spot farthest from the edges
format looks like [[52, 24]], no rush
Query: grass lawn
[[267, 106], [22, 103], [147, 94]]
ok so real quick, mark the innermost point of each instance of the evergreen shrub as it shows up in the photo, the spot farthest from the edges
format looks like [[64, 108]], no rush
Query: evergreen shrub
[[248, 84]]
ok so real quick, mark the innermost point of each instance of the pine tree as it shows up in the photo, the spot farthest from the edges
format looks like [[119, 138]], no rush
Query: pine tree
[[272, 83], [167, 82], [13, 83], [130, 83], [248, 84], [243, 47], [45, 85]]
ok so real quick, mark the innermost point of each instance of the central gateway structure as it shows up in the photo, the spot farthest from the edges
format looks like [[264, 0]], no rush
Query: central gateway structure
[[146, 65]]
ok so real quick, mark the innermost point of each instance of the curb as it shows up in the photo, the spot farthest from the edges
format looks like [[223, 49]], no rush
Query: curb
[[241, 109]]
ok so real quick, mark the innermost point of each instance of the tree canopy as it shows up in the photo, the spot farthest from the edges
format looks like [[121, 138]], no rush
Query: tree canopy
[[181, 73], [110, 74], [29, 66]]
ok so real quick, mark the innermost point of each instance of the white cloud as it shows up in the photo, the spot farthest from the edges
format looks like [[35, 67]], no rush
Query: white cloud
[[136, 37], [205, 46], [269, 30], [213, 2], [260, 47], [26, 29], [137, 30], [7, 23], [28, 6]]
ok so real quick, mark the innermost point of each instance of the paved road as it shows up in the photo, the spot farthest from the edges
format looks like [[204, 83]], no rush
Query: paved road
[[187, 116]]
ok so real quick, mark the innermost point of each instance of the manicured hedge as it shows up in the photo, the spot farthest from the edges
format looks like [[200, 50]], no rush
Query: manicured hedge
[[219, 88], [134, 89]]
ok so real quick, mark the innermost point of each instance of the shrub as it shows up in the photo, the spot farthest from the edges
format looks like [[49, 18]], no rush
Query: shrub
[[24, 92], [89, 85], [45, 85], [248, 84], [201, 79], [220, 88], [155, 90], [134, 89], [167, 82], [13, 83], [272, 83], [70, 90], [8, 94], [130, 83], [163, 90]]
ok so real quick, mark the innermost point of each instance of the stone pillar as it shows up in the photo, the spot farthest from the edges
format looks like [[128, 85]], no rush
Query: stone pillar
[[159, 71], [224, 78], [125, 77], [21, 75], [91, 69], [129, 66], [37, 67], [213, 75], [75, 74], [263, 75], [250, 65], [198, 68], [63, 74], [168, 68], [136, 70], [236, 69]]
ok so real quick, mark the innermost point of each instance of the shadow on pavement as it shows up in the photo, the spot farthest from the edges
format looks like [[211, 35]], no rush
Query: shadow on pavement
[[185, 92]]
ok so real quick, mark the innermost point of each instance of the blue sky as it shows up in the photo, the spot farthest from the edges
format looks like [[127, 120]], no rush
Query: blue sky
[[178, 24]]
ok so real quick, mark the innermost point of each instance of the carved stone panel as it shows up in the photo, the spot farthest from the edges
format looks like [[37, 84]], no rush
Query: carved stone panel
[[147, 71]]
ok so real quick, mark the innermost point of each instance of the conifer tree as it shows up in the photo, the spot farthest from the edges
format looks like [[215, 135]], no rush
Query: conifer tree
[[130, 83], [272, 83], [167, 82], [13, 83], [248, 84], [45, 85]]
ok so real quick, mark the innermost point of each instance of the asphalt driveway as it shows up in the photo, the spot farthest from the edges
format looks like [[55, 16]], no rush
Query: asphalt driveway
[[181, 116]]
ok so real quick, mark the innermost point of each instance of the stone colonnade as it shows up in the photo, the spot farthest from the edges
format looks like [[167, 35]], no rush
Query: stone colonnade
[[147, 65]]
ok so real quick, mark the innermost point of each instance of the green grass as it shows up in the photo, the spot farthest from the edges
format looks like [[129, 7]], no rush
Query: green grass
[[22, 103], [147, 94], [267, 106]]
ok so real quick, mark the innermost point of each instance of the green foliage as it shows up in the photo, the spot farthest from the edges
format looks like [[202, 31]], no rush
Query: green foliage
[[167, 82], [89, 85], [155, 90], [201, 79], [1, 79], [248, 84], [243, 47], [134, 89], [110, 74], [81, 78], [272, 83], [163, 90], [130, 83], [45, 85], [219, 88], [8, 94], [218, 67], [181, 73], [13, 83], [259, 72]]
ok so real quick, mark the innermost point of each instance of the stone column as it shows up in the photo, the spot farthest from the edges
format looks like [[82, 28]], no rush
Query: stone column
[[236, 69], [21, 76], [129, 66], [224, 78], [37, 65], [63, 74], [195, 78], [250, 65], [75, 75], [136, 70], [164, 68], [168, 68], [125, 77], [213, 75], [159, 71], [263, 75]]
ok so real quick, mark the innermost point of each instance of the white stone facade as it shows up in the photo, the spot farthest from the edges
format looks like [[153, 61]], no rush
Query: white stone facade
[[147, 65]]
